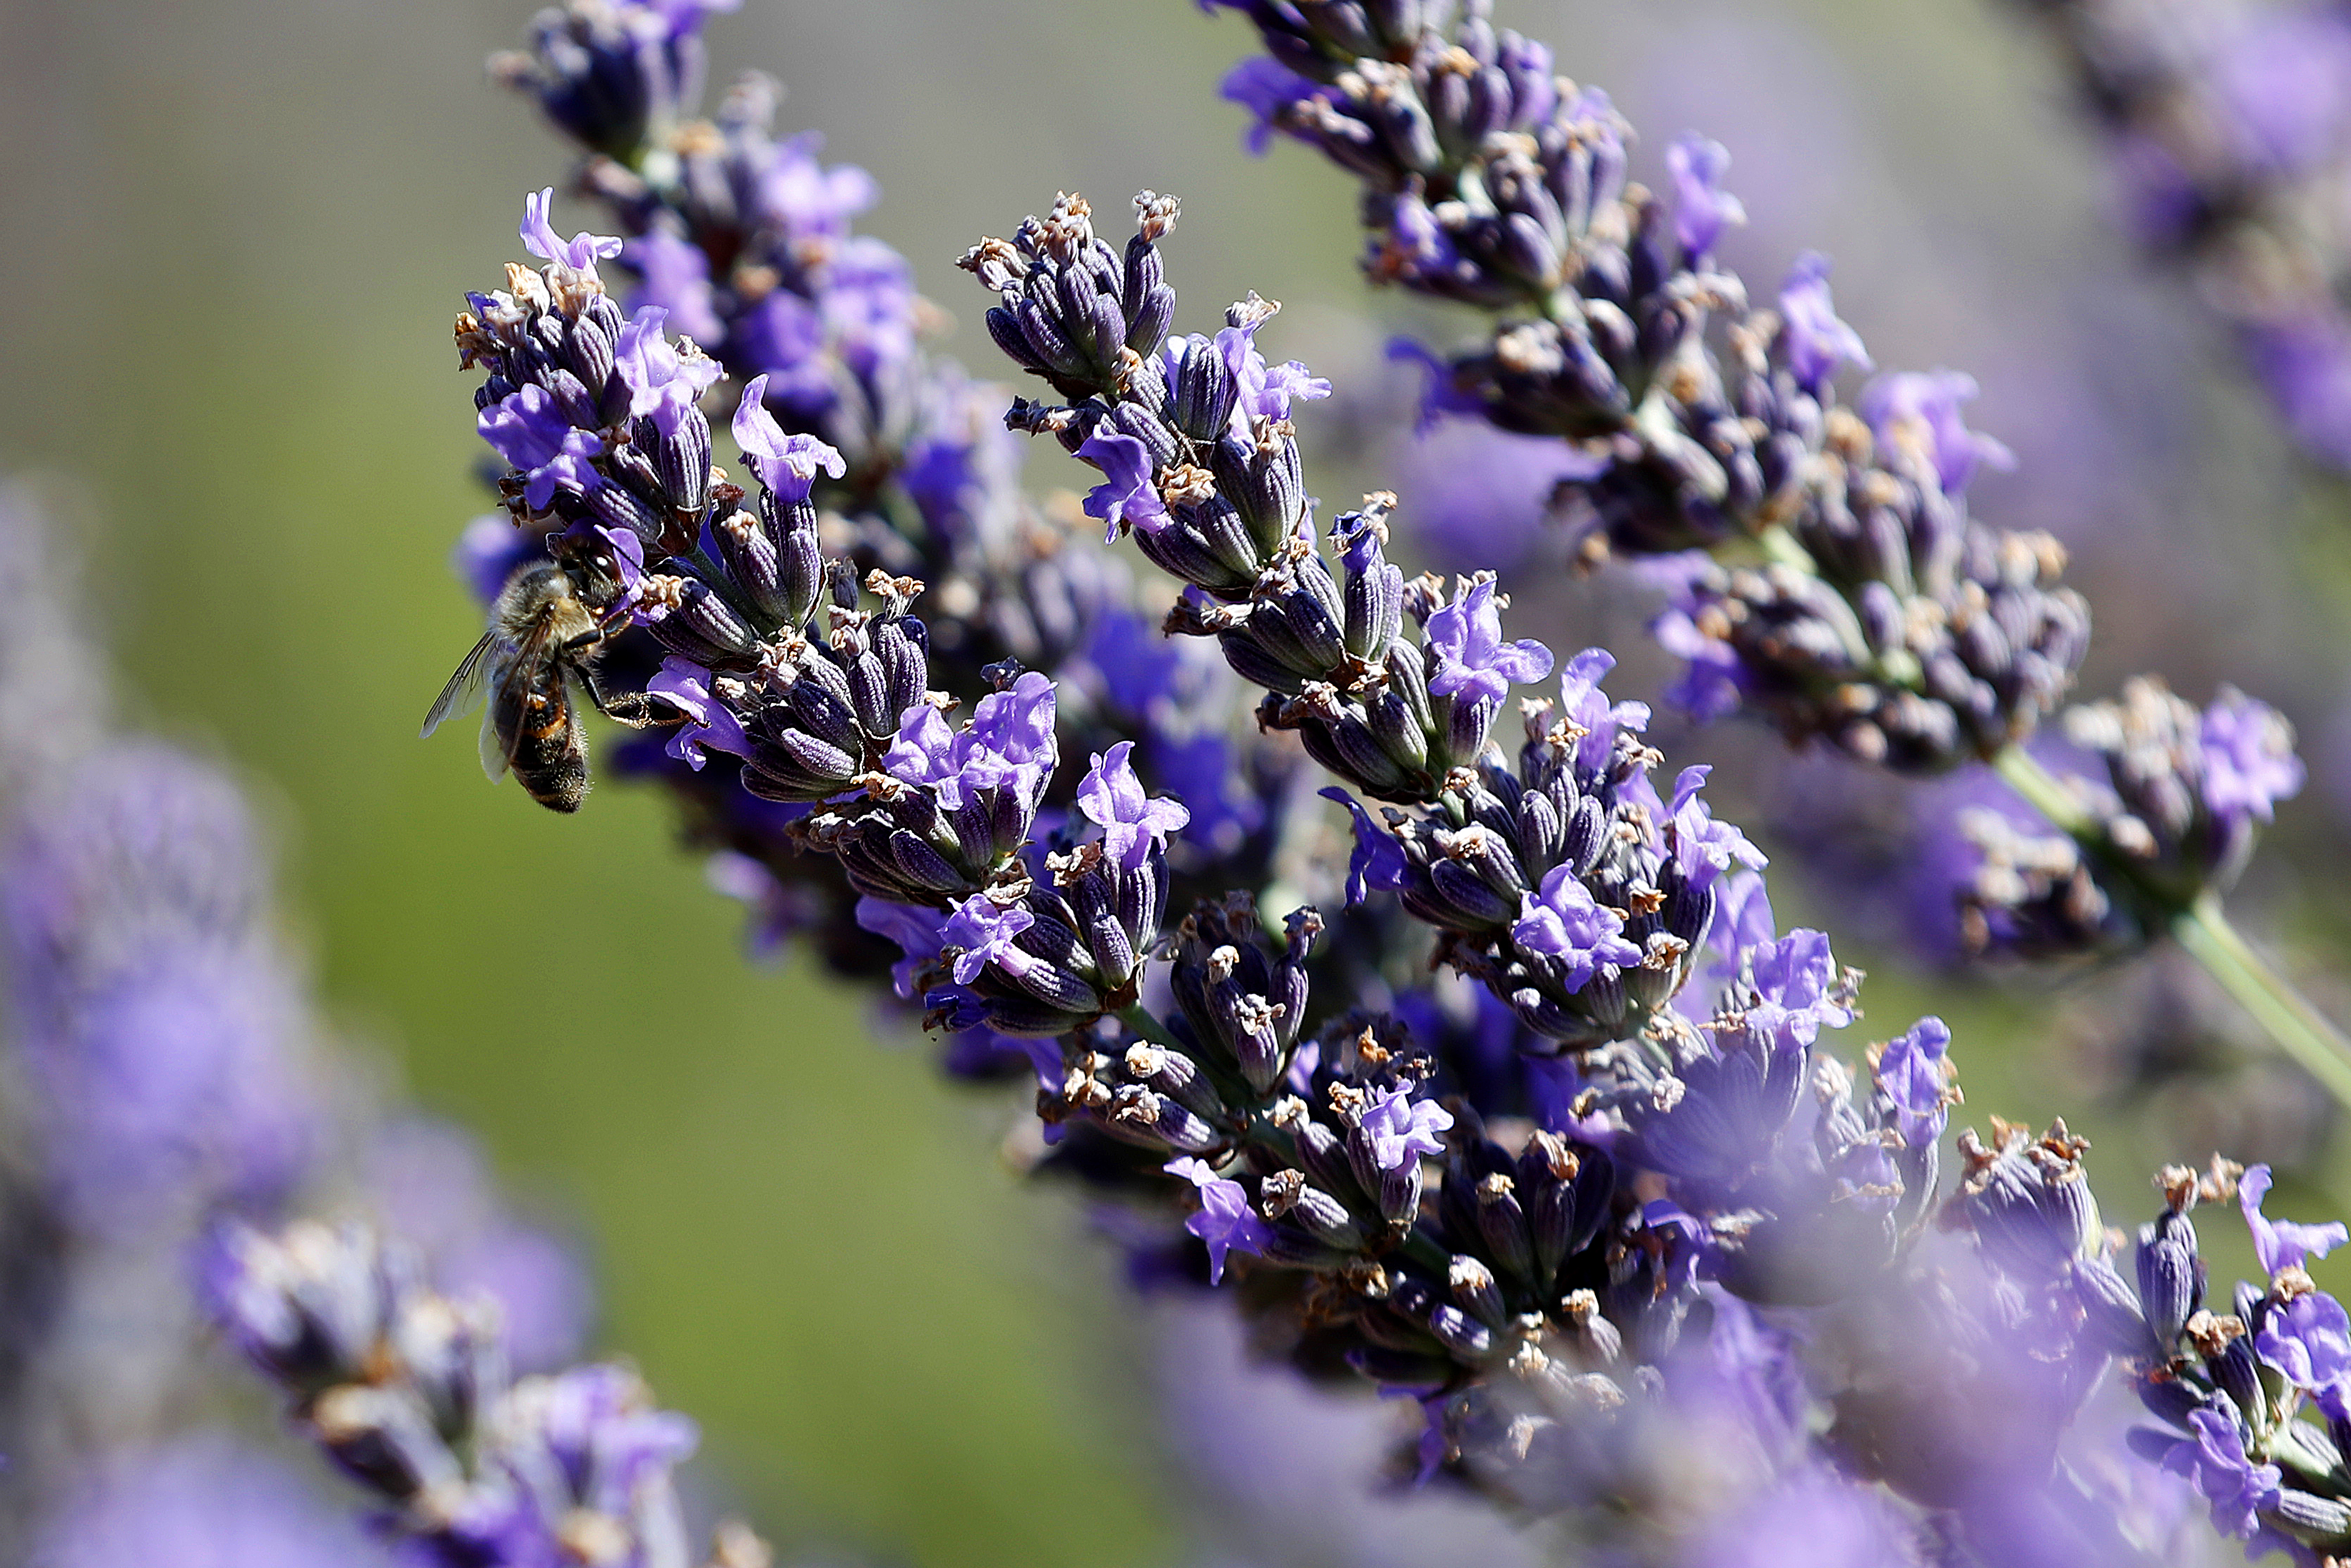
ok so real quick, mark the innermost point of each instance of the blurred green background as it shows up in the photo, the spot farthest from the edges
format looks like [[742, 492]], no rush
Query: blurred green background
[[235, 235]]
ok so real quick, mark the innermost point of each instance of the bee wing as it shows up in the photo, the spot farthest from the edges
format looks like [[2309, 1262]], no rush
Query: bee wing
[[494, 752], [463, 691], [516, 670]]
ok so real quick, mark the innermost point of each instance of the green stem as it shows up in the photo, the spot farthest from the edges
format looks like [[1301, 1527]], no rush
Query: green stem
[[1140, 1019], [1780, 545], [2202, 928], [2299, 1028], [2043, 792]]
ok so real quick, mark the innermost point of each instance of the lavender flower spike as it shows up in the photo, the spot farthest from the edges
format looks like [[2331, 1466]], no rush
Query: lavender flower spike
[[2215, 1459], [408, 1392], [1133, 822]]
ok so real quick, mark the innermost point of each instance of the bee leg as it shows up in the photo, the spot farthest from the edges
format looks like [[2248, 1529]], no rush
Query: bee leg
[[633, 710]]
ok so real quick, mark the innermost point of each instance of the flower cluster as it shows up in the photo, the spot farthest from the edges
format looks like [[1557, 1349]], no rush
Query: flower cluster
[[1820, 566], [2173, 820], [407, 1392], [1894, 626], [2231, 132], [2236, 1392], [1549, 1134], [165, 1084], [857, 435]]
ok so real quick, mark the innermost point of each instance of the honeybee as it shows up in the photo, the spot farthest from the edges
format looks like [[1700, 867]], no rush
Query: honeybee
[[545, 633]]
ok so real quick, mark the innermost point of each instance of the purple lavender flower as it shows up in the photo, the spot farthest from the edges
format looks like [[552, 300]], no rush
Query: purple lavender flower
[[1818, 343], [530, 431], [1376, 861], [981, 932], [787, 464], [580, 253], [1584, 705], [2308, 1339], [407, 1390], [1266, 391], [1009, 744], [2214, 1458], [2283, 1244], [1225, 1220], [1919, 412], [1743, 922], [1268, 90], [1012, 737], [1133, 824], [2249, 758], [675, 275], [1564, 921], [1473, 662], [684, 686], [808, 199], [202, 1500], [158, 1027], [1912, 1074], [1127, 497], [1703, 847], [662, 383], [1702, 208], [1401, 1128], [587, 1438], [1797, 981]]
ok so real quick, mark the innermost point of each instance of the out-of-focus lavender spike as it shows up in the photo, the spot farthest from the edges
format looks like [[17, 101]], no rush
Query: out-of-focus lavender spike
[[202, 1500], [408, 1393], [2229, 130], [431, 1185], [157, 1019]]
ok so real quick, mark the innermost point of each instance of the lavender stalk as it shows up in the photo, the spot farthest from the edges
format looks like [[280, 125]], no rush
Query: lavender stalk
[[1823, 569]]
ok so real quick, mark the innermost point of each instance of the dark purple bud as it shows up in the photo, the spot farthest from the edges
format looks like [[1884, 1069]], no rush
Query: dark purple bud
[[688, 618]]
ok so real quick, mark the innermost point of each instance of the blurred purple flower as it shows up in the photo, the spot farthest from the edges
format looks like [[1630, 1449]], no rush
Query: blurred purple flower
[[1919, 411], [202, 1501], [1702, 208], [580, 253]]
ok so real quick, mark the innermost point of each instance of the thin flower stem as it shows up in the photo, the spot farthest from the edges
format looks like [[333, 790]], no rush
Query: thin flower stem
[[1140, 1019], [2203, 929], [2304, 1033], [2043, 792]]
